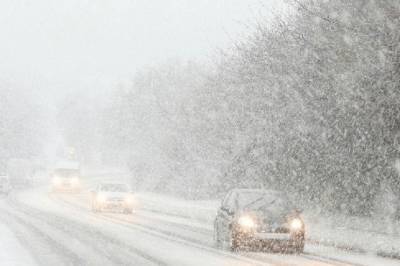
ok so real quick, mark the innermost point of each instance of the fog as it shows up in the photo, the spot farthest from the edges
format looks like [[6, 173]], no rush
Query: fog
[[61, 46], [215, 132]]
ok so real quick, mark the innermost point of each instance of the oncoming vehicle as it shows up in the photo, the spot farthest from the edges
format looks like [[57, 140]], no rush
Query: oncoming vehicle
[[5, 186], [112, 196], [66, 178], [260, 219]]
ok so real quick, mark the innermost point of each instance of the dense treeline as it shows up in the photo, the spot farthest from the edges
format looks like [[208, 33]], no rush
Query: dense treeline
[[23, 125], [309, 105]]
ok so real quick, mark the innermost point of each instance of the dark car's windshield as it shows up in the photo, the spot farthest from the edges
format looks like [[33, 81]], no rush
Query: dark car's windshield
[[257, 200], [114, 187]]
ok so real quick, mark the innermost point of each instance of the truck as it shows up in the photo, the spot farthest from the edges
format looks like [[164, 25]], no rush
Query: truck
[[66, 177]]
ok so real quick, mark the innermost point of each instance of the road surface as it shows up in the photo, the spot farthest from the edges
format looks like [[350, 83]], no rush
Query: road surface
[[60, 229]]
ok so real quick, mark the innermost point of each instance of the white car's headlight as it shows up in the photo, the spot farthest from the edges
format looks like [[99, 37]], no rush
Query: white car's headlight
[[296, 224], [75, 181], [246, 222], [129, 199], [56, 181], [101, 198]]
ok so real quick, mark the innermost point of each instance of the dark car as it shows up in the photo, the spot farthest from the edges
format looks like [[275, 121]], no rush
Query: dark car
[[258, 218]]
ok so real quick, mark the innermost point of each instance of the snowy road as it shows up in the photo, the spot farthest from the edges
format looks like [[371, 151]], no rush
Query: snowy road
[[61, 230]]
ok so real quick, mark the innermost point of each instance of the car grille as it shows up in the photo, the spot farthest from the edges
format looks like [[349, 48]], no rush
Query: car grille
[[272, 227], [282, 230]]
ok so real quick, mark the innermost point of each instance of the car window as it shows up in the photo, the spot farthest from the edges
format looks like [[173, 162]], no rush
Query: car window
[[226, 199], [230, 201]]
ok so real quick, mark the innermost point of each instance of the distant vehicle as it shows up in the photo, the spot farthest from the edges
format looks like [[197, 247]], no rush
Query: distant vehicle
[[20, 172], [66, 177], [256, 218], [112, 196], [5, 186]]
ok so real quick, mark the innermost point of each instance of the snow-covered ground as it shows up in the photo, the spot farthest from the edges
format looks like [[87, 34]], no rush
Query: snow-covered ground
[[363, 234], [12, 253], [163, 231]]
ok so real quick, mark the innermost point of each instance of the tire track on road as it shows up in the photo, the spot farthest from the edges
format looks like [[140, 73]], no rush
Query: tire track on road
[[114, 251], [260, 258]]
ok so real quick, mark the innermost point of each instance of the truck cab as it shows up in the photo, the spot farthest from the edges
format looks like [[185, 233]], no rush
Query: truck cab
[[66, 177]]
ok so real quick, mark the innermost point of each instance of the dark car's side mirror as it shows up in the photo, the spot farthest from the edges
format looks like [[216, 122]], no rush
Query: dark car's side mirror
[[228, 211], [299, 210]]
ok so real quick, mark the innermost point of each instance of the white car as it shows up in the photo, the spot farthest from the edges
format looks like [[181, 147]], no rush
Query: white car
[[112, 196], [5, 186]]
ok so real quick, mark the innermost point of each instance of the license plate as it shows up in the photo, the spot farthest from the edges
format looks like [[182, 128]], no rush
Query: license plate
[[273, 236]]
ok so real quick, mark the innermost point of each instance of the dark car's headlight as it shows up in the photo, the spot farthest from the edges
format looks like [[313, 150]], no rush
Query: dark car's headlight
[[247, 222], [296, 224]]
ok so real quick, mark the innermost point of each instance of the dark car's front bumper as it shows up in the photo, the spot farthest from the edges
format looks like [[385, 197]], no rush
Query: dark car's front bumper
[[270, 240]]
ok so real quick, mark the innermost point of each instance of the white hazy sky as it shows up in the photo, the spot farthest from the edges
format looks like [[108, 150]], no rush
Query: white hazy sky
[[64, 45]]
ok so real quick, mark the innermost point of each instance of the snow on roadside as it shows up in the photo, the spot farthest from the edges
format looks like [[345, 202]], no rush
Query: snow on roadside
[[348, 256], [11, 251], [351, 234]]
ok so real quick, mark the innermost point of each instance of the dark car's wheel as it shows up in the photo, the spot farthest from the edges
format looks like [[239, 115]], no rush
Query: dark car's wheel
[[232, 242], [217, 240], [216, 236]]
